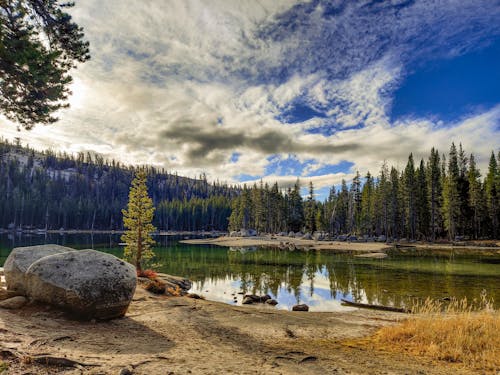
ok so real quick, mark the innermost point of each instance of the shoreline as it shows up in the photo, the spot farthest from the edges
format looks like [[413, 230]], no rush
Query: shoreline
[[360, 248], [183, 335]]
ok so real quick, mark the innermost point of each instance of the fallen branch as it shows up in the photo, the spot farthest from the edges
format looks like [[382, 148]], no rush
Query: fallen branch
[[56, 361], [375, 307]]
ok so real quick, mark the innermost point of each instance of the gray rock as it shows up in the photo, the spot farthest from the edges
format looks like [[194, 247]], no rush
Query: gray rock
[[319, 236], [272, 302], [234, 234], [307, 236], [291, 234], [302, 307], [13, 303], [248, 299], [91, 284], [21, 258]]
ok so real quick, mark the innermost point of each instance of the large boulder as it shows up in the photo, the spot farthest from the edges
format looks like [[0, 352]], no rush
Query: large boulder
[[21, 258], [88, 283]]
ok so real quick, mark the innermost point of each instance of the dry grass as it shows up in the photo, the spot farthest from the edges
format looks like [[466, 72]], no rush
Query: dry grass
[[156, 286], [454, 331], [174, 292]]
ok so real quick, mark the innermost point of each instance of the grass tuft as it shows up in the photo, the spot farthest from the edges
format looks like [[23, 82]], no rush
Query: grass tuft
[[454, 331], [156, 286]]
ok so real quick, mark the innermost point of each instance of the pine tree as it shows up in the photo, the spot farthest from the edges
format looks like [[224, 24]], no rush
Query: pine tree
[[137, 218], [435, 192], [310, 210], [354, 216], [422, 203], [492, 194], [451, 197], [296, 209], [476, 197], [395, 215], [367, 205], [410, 197], [383, 196]]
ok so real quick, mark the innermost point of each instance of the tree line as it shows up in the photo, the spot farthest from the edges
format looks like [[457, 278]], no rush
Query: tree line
[[441, 197]]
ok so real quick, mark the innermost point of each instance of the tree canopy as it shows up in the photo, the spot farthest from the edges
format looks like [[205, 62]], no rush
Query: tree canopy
[[39, 45]]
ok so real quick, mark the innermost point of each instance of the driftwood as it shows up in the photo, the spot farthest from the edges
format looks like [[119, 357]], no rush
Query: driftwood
[[56, 361], [375, 307]]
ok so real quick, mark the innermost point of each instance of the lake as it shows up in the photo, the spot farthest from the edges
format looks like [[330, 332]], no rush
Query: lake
[[319, 279]]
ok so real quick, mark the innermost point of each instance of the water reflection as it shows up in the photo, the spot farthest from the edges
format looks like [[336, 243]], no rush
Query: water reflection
[[317, 279]]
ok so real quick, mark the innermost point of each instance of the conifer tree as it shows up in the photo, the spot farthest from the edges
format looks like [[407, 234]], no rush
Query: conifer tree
[[137, 218], [476, 197], [367, 205], [435, 192], [423, 211], [492, 194], [410, 197], [310, 210], [451, 197]]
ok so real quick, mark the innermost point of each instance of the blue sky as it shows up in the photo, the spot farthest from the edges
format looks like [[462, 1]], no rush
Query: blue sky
[[244, 90]]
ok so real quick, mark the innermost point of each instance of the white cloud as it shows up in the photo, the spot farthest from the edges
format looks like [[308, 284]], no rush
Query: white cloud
[[159, 67]]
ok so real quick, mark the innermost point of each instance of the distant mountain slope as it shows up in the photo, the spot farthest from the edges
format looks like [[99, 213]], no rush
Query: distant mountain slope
[[52, 191]]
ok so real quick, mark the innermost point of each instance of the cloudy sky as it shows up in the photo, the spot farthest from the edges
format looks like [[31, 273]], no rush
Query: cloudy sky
[[275, 89]]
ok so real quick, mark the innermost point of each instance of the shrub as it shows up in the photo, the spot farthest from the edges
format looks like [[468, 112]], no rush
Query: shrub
[[150, 274]]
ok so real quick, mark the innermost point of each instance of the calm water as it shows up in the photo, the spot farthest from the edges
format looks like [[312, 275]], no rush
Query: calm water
[[317, 279]]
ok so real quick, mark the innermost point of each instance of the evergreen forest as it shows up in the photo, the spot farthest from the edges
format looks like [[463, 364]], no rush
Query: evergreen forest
[[442, 196]]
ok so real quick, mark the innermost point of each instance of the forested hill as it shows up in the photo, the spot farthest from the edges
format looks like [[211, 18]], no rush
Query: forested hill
[[53, 191]]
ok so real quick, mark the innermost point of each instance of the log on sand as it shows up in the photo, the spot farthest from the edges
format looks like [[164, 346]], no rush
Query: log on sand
[[375, 307]]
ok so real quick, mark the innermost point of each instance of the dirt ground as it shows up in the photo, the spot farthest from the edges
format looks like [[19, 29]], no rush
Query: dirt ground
[[180, 335]]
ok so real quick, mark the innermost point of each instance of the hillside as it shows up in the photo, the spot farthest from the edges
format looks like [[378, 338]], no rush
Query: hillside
[[46, 190]]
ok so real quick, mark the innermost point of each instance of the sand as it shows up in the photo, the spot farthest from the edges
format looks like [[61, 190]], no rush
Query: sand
[[371, 249], [361, 247], [180, 335]]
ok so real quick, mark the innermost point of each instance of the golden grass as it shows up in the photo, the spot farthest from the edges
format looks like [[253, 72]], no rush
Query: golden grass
[[457, 331]]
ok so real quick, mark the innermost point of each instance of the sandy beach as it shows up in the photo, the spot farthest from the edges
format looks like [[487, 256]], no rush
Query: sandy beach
[[180, 335]]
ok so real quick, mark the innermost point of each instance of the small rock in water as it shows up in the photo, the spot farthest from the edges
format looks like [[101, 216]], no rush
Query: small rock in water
[[13, 303], [247, 300], [272, 302], [302, 307]]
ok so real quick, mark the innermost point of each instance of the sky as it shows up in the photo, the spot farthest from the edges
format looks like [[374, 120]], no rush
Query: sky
[[280, 89]]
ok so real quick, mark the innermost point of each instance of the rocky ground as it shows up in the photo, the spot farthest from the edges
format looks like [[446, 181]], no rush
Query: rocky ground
[[180, 335]]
